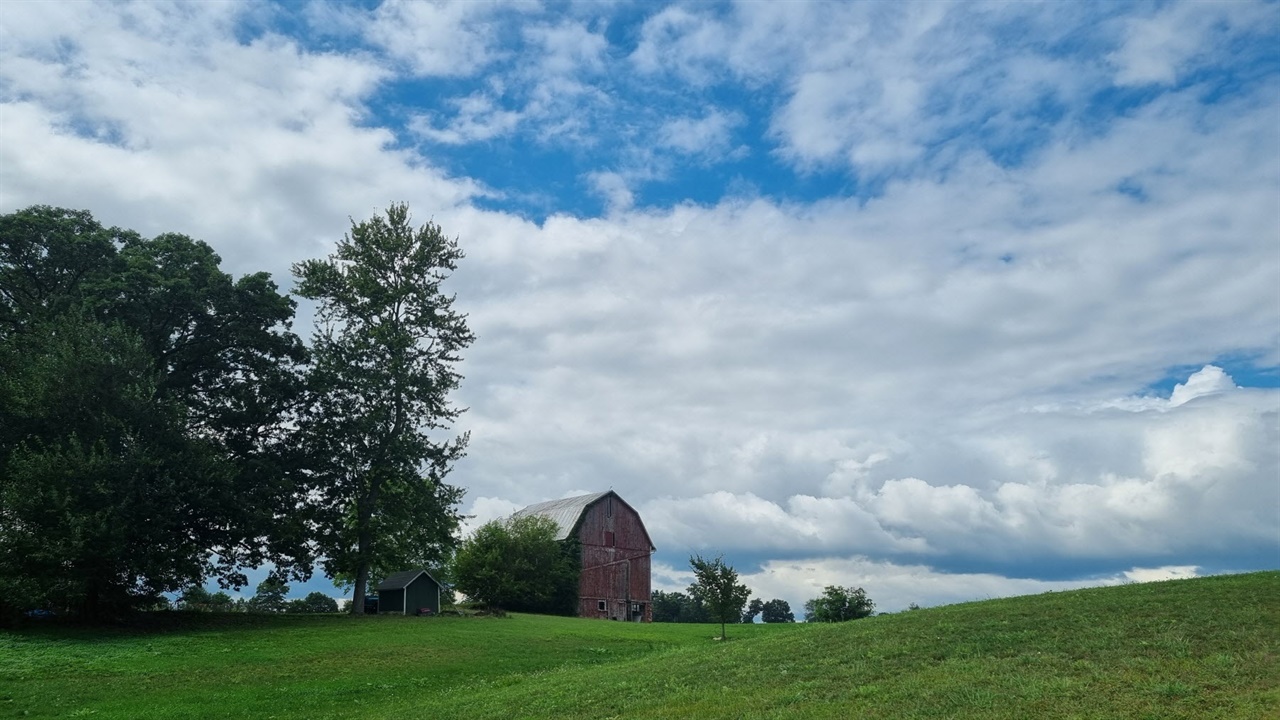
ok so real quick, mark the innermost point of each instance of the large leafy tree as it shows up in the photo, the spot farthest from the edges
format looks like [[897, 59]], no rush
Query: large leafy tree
[[716, 586], [385, 352], [518, 564], [144, 395], [839, 604], [777, 611]]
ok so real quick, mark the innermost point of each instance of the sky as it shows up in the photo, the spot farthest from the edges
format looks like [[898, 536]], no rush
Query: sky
[[947, 301]]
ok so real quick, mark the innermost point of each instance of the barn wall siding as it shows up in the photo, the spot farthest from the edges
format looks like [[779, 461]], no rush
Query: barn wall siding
[[615, 561]]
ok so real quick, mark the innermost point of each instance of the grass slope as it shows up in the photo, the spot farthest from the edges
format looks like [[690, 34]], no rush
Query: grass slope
[[1199, 648]]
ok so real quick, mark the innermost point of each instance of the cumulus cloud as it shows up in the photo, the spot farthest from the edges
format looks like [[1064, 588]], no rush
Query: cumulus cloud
[[946, 374], [156, 117], [1100, 487]]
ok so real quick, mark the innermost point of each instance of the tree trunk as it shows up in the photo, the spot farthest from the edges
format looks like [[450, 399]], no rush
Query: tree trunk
[[357, 595], [364, 546]]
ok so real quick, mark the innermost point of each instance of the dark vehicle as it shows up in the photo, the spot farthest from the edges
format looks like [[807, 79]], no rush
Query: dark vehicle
[[370, 604]]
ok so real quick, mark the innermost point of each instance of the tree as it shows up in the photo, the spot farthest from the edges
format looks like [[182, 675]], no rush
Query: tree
[[716, 586], [143, 403], [676, 607], [195, 598], [103, 497], [518, 564], [666, 605], [754, 609], [777, 611], [316, 602], [270, 596], [839, 604], [384, 356]]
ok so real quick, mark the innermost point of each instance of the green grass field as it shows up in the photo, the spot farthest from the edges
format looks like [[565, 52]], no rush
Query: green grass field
[[1204, 648]]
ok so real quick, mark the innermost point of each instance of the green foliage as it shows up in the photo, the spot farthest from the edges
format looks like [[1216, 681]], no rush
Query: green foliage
[[316, 602], [839, 604], [143, 404], [94, 469], [384, 355], [777, 611], [270, 596], [518, 564], [1203, 648], [676, 607], [754, 609], [717, 588], [196, 598]]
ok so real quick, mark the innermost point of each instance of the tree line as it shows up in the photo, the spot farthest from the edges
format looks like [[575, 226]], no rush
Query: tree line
[[716, 596], [161, 424], [271, 595]]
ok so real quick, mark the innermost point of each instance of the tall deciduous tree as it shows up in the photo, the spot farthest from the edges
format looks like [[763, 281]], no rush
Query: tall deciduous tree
[[716, 586], [777, 611], [143, 398], [385, 352], [839, 604]]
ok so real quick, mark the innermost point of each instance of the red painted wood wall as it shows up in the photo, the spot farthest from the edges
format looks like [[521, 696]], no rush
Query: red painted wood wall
[[615, 562]]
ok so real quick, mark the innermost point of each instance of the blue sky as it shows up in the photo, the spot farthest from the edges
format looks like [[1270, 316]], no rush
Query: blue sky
[[945, 300]]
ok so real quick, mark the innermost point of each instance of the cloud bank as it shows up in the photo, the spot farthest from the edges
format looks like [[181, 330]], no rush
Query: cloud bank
[[946, 300]]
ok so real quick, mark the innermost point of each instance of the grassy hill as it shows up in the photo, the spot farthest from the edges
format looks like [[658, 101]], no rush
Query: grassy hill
[[1201, 648]]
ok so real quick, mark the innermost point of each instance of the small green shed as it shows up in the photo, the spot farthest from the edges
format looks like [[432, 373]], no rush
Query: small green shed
[[405, 593]]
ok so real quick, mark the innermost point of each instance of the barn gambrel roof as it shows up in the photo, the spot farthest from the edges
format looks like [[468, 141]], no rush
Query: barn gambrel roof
[[567, 512]]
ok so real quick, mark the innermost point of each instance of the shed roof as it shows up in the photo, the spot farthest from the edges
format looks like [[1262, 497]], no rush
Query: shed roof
[[565, 512], [401, 580]]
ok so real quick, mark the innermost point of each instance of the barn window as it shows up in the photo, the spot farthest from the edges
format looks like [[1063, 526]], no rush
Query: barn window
[[600, 605], [608, 538]]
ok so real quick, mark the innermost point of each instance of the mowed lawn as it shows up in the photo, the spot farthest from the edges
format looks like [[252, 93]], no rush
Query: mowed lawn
[[1201, 648]]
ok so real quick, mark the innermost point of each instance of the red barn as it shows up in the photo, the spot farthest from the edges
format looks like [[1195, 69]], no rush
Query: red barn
[[615, 554]]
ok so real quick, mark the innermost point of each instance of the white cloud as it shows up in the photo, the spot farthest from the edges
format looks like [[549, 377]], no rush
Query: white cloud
[[709, 134], [1160, 47], [478, 117], [484, 510], [437, 37], [614, 188], [168, 123], [948, 371], [1171, 572], [894, 587], [1208, 381]]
